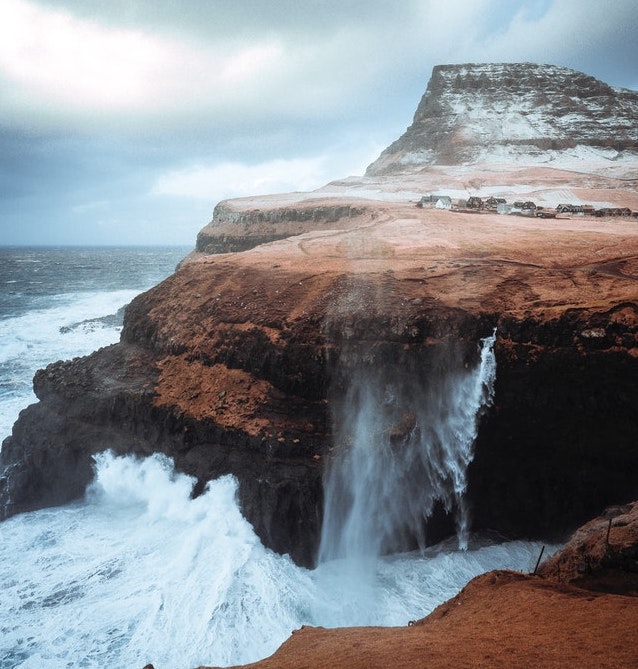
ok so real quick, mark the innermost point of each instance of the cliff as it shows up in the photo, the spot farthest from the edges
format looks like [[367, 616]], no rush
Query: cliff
[[499, 112], [237, 228], [236, 363], [240, 361]]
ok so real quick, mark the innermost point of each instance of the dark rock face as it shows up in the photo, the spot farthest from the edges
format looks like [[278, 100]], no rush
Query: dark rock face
[[105, 402], [475, 112], [559, 444]]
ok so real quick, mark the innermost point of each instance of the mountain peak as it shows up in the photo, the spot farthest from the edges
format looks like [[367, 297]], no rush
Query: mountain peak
[[513, 112]]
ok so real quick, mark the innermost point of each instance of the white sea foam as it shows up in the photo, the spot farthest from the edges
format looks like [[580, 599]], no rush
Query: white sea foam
[[66, 327], [139, 572]]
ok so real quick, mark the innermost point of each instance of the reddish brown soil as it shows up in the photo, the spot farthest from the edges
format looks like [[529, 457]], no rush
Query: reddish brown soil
[[500, 619], [507, 265], [511, 266]]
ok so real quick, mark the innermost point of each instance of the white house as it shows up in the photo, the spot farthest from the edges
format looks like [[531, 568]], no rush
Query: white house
[[444, 202]]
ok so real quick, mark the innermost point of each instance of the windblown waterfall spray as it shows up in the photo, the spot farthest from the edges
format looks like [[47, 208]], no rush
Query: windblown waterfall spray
[[403, 442]]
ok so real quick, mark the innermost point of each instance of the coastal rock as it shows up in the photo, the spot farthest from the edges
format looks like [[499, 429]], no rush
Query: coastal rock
[[602, 555], [235, 363]]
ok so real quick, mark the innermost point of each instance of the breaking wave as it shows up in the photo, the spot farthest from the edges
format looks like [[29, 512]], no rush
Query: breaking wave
[[140, 572]]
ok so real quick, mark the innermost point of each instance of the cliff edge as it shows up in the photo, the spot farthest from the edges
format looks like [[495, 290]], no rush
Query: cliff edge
[[579, 610]]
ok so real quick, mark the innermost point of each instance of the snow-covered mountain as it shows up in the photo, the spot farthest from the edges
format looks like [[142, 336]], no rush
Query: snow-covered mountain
[[506, 112]]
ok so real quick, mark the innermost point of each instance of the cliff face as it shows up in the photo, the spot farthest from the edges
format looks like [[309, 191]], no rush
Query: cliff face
[[238, 228], [240, 361], [235, 363], [500, 112]]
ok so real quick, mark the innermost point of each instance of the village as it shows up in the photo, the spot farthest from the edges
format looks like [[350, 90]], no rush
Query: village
[[499, 205]]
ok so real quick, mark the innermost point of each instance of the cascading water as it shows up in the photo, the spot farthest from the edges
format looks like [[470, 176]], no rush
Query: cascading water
[[403, 443]]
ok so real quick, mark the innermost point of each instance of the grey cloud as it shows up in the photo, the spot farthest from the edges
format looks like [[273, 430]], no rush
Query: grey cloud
[[352, 75], [242, 18], [587, 35]]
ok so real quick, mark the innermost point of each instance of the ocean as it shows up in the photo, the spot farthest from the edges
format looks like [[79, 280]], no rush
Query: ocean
[[137, 571]]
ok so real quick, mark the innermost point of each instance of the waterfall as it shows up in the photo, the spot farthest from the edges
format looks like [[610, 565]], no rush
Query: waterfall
[[403, 443]]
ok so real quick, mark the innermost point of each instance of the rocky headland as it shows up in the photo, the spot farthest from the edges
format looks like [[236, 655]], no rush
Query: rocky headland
[[234, 363], [240, 360]]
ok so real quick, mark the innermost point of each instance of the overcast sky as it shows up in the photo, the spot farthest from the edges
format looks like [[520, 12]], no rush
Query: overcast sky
[[125, 122]]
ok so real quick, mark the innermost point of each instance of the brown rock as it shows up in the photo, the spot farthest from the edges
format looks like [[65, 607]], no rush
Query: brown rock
[[602, 555]]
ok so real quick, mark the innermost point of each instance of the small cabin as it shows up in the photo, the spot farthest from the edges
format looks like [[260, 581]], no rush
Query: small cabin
[[564, 208], [428, 200], [528, 207], [444, 202], [541, 212], [614, 211]]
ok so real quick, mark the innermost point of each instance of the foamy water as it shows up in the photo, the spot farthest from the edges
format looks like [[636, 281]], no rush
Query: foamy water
[[139, 572], [69, 327], [59, 303]]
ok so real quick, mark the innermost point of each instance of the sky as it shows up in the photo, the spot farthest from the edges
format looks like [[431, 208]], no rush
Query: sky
[[125, 122]]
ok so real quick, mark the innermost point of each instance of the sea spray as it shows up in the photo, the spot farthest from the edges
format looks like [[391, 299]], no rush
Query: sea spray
[[140, 572], [403, 442]]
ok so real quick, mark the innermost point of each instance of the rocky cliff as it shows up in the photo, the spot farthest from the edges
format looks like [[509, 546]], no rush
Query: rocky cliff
[[236, 362], [239, 362], [237, 228], [503, 111]]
